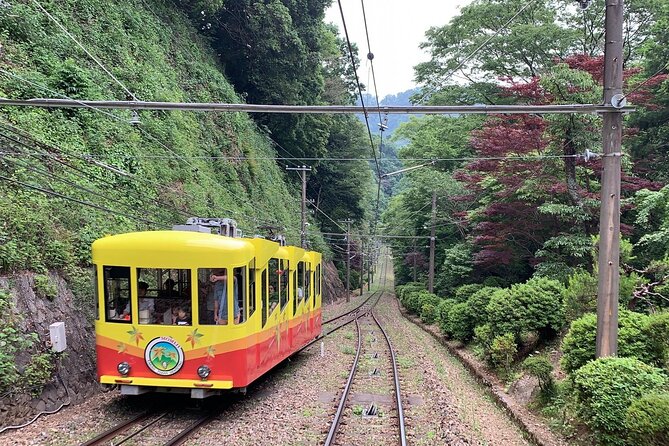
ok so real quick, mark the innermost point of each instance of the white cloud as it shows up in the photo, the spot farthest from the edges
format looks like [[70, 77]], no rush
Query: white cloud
[[396, 28]]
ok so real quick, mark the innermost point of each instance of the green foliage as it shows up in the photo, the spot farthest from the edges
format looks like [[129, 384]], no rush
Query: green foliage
[[444, 309], [464, 292], [429, 313], [532, 306], [478, 304], [460, 322], [657, 331], [37, 373], [580, 296], [647, 420], [634, 341], [44, 287], [502, 350], [605, 389], [541, 368]]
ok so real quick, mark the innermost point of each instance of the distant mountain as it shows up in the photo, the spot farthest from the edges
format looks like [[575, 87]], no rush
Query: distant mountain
[[393, 120]]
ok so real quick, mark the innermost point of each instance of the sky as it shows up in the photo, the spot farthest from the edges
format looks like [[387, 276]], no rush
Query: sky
[[396, 28]]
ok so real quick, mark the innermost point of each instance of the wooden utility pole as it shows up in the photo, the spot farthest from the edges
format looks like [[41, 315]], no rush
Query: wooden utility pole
[[370, 248], [430, 279], [362, 268], [414, 260], [609, 220], [303, 227], [348, 259]]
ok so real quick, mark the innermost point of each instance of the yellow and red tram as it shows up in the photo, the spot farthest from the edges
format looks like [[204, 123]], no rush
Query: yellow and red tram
[[195, 312]]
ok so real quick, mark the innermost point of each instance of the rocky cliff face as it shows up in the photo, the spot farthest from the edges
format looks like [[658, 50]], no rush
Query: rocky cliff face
[[333, 288], [70, 375]]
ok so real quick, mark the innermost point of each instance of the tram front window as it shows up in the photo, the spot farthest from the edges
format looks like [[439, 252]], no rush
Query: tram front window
[[117, 293], [164, 296]]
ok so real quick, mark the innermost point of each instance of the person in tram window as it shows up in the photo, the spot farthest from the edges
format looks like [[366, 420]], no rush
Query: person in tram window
[[182, 317], [168, 288], [220, 280], [207, 302], [144, 302]]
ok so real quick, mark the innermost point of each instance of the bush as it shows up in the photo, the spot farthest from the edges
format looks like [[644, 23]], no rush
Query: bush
[[502, 350], [478, 303], [647, 420], [429, 313], [605, 389], [44, 287], [578, 345], [541, 368], [464, 292], [460, 323], [531, 306], [580, 296], [657, 330], [443, 310], [483, 337]]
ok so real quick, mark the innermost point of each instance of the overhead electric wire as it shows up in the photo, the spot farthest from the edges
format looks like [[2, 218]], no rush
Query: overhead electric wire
[[357, 82], [85, 203], [81, 173], [117, 118], [97, 61]]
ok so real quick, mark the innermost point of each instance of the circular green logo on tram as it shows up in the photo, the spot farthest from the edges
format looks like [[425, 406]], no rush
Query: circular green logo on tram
[[164, 356]]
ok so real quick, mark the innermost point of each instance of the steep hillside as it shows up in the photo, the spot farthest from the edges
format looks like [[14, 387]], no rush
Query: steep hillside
[[69, 176]]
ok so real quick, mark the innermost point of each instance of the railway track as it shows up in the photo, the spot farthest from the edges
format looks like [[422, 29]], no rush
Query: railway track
[[147, 423], [345, 408]]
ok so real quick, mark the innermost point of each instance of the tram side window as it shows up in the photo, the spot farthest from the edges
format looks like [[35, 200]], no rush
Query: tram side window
[[239, 295], [300, 281], [318, 283], [164, 296], [96, 293], [213, 291], [307, 285], [264, 307], [252, 287], [117, 293], [295, 292], [274, 274], [283, 283]]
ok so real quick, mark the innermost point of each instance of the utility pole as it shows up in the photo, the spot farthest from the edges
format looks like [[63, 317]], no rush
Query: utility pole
[[414, 260], [430, 280], [348, 222], [362, 267], [303, 227], [609, 219], [369, 265]]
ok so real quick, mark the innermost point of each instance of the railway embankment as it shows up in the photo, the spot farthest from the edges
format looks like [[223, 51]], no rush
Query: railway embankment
[[532, 426]]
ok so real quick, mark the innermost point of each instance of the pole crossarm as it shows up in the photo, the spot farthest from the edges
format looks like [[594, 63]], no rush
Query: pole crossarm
[[314, 109]]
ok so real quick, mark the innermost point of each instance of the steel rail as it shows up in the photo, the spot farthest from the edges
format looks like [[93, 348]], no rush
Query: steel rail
[[142, 429], [322, 335], [398, 395], [184, 434], [116, 430], [342, 402], [313, 109], [349, 312]]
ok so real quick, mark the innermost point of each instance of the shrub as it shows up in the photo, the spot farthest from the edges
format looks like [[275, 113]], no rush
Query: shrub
[[411, 301], [483, 337], [460, 322], [647, 420], [464, 292], [541, 368], [531, 306], [38, 373], [502, 350], [44, 287], [578, 345], [478, 303], [443, 310], [429, 313], [657, 330], [580, 296], [605, 389]]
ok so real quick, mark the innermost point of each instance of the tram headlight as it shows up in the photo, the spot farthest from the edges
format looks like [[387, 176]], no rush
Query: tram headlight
[[203, 372], [123, 368]]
